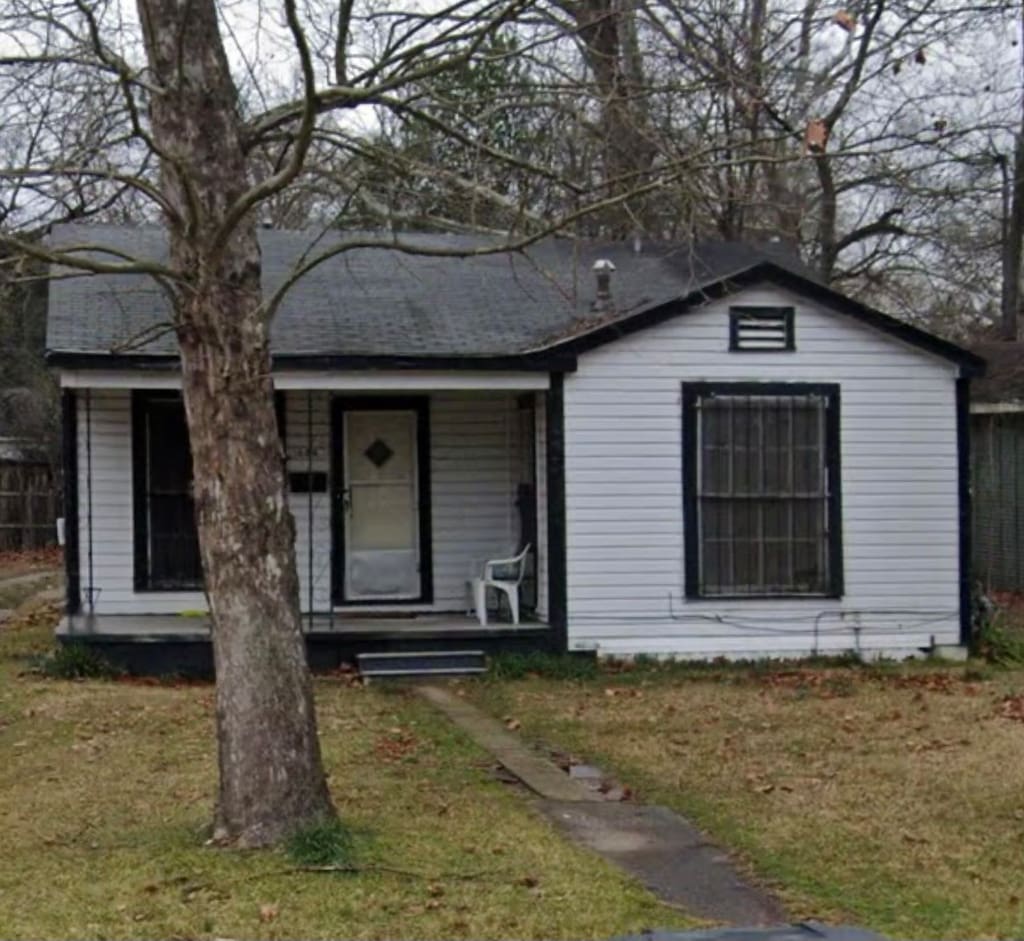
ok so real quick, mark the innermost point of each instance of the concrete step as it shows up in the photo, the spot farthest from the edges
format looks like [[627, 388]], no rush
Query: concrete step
[[427, 663]]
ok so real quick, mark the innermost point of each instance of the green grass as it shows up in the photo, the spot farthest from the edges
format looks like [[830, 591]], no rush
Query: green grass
[[885, 796], [74, 662], [106, 792], [329, 843], [1001, 641], [515, 666]]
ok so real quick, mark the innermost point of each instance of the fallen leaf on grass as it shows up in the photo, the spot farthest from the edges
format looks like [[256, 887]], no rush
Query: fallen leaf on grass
[[397, 745], [947, 683], [1011, 707], [613, 692], [47, 558], [935, 744], [268, 913]]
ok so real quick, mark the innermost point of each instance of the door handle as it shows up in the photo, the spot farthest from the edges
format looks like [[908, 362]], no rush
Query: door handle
[[346, 500]]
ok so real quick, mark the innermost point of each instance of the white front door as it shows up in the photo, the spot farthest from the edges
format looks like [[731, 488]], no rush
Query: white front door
[[381, 505]]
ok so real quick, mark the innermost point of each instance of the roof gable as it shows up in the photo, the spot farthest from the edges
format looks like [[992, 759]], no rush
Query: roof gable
[[612, 329]]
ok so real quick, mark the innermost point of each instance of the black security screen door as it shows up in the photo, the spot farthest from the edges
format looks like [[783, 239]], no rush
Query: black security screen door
[[763, 491], [167, 544]]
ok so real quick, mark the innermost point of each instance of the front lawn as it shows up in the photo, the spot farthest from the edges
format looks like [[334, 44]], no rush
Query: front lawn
[[106, 788], [892, 798]]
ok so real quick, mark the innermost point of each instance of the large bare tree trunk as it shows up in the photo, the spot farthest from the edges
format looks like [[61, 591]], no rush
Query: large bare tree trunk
[[271, 775], [607, 30], [1013, 219]]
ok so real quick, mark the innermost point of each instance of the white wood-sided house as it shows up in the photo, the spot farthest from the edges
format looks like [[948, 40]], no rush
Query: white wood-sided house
[[710, 454]]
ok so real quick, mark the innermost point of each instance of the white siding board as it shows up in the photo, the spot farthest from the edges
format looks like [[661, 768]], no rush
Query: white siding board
[[624, 499], [473, 480]]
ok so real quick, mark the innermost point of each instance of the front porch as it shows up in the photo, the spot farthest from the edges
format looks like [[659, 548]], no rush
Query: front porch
[[401, 486], [167, 644]]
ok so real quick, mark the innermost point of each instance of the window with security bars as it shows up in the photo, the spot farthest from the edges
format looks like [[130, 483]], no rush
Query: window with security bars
[[763, 490]]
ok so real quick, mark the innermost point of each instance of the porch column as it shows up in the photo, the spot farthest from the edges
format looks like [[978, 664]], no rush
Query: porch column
[[69, 430], [555, 479]]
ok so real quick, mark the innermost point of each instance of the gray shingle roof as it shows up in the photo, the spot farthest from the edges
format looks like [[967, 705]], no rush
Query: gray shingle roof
[[382, 301]]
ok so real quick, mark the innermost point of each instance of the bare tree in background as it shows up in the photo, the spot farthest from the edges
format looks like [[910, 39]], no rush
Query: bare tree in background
[[828, 126]]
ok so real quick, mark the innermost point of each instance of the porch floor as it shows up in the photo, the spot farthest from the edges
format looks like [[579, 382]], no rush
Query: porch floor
[[142, 628]]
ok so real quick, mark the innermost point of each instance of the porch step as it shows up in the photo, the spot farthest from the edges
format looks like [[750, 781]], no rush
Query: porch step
[[422, 663]]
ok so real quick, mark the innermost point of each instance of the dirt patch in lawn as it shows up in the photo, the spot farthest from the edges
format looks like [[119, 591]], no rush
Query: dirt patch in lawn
[[15, 592], [105, 794], [25, 561], [893, 798]]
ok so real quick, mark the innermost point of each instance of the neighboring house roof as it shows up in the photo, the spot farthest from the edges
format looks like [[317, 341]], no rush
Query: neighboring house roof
[[381, 303]]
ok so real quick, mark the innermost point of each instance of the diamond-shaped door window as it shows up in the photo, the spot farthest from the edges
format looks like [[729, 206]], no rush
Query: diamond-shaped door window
[[378, 453]]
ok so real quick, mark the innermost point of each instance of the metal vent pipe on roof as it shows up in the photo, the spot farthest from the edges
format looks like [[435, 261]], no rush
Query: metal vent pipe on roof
[[603, 269]]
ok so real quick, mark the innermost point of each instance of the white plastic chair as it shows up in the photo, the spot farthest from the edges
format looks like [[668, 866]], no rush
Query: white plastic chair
[[504, 575]]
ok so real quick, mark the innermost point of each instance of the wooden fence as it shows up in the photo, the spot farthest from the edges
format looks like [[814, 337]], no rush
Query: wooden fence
[[29, 506], [997, 491]]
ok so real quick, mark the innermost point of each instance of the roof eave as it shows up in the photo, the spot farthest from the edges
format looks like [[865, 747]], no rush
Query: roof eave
[[540, 361]]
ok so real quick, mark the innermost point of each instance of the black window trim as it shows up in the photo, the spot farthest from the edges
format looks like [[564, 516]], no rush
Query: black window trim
[[692, 392], [761, 312], [141, 398], [140, 519]]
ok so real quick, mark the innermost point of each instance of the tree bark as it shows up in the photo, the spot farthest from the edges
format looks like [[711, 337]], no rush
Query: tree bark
[[828, 215], [1012, 242], [271, 774], [607, 31], [1013, 220]]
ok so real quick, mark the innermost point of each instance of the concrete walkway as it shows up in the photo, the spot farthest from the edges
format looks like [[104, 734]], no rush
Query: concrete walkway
[[653, 844], [540, 776]]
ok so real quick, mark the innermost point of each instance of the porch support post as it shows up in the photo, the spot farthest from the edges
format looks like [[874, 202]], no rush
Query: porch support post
[[69, 456], [309, 507], [555, 453], [963, 455]]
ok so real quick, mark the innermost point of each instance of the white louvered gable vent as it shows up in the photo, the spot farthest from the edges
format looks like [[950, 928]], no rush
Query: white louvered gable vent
[[761, 329]]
